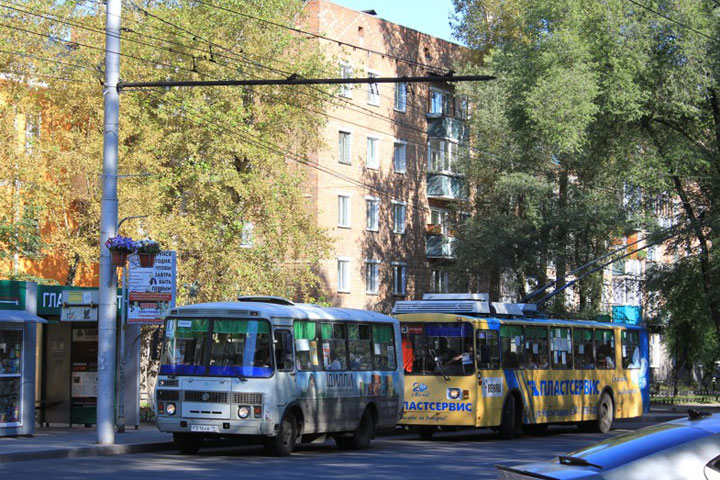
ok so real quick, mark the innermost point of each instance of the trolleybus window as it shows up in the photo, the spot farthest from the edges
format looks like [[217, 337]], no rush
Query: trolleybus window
[[184, 347], [334, 351], [605, 349], [583, 348], [488, 350], [359, 343], [511, 342], [240, 347], [307, 341], [560, 348], [630, 340], [450, 343], [536, 348], [416, 359], [384, 348]]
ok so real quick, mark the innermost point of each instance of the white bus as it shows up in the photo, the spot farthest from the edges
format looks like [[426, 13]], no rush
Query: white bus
[[282, 372]]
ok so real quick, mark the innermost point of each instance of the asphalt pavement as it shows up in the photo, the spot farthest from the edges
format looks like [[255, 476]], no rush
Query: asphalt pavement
[[59, 441]]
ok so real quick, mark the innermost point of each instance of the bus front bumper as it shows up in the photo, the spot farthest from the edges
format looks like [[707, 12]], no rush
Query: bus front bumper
[[215, 427]]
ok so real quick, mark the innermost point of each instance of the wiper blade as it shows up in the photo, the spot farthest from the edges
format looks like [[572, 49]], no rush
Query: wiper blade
[[438, 364], [565, 460]]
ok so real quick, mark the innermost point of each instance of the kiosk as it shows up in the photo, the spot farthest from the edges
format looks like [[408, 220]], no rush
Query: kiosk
[[18, 344]]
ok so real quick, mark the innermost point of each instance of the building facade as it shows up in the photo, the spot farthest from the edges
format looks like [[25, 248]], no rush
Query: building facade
[[384, 183]]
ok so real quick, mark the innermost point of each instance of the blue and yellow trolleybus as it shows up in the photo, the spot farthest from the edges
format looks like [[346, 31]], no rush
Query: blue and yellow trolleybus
[[472, 363]]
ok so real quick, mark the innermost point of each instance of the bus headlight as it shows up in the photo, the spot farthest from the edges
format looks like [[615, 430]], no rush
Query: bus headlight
[[243, 411], [170, 409]]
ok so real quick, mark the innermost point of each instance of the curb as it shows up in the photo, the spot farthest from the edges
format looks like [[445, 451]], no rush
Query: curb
[[95, 451]]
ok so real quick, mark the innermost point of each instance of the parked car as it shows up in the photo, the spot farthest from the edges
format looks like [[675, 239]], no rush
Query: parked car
[[687, 448]]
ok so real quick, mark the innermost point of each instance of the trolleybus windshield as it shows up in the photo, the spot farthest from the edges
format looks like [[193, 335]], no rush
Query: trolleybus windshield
[[438, 349], [217, 347]]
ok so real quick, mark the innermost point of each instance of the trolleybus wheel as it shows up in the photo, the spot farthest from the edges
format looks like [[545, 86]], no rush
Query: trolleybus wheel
[[282, 444], [361, 437], [507, 420], [187, 443], [426, 433], [605, 415]]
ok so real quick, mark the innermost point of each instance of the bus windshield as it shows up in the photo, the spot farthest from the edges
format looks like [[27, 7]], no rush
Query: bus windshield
[[217, 347], [438, 348]]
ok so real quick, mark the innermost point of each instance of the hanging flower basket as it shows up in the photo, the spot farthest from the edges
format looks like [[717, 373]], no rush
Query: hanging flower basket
[[146, 259], [147, 250], [118, 258], [120, 247]]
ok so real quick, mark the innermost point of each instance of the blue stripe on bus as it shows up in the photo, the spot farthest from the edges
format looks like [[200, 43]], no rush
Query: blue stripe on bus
[[241, 371], [182, 369], [445, 330]]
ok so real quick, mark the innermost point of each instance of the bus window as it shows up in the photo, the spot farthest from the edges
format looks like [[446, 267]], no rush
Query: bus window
[[605, 349], [583, 348], [630, 340], [184, 346], [283, 350], [536, 348], [307, 341], [359, 343], [488, 350], [511, 342], [451, 348], [560, 347], [384, 347], [240, 347], [334, 352]]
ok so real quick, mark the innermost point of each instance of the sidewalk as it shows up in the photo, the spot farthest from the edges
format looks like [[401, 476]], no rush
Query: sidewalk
[[65, 442]]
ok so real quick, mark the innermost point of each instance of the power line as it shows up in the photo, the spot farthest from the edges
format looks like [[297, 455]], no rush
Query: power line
[[672, 20]]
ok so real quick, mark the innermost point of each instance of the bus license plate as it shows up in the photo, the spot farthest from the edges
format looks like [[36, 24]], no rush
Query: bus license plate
[[203, 428]]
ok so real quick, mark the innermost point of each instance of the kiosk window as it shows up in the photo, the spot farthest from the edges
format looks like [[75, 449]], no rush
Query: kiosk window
[[583, 348], [630, 340], [307, 343], [333, 351], [560, 348], [10, 369], [488, 350], [536, 348], [605, 349], [359, 342], [511, 343]]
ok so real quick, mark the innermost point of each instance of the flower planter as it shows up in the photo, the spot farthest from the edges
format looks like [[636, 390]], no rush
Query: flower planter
[[118, 258], [147, 259]]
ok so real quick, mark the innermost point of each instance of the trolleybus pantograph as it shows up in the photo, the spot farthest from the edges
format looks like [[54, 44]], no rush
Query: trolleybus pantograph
[[472, 363], [282, 372]]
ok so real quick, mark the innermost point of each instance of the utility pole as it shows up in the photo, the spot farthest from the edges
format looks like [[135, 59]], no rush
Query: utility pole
[[107, 314]]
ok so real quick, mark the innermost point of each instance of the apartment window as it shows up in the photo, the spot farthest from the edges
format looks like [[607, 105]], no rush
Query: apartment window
[[346, 88], [462, 107], [441, 155], [344, 142], [344, 211], [399, 156], [372, 276], [399, 278], [400, 97], [438, 219], [373, 96], [343, 275], [372, 205], [372, 153], [440, 281], [33, 122], [440, 102], [399, 217], [246, 236]]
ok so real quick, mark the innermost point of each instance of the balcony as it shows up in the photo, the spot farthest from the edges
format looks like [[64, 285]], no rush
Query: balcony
[[440, 246], [446, 127], [446, 187]]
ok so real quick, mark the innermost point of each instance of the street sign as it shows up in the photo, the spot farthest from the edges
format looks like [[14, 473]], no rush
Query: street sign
[[151, 290]]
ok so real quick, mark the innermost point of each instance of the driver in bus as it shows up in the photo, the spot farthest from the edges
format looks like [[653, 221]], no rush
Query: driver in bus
[[446, 355]]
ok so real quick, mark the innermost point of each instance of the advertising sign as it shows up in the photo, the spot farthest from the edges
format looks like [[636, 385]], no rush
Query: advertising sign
[[151, 290]]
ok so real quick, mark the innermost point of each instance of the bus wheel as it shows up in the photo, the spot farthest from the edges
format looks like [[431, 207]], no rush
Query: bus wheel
[[426, 433], [361, 437], [605, 415], [282, 444], [507, 420], [187, 443]]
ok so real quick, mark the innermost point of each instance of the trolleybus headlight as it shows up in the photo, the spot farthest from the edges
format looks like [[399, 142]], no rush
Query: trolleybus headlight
[[453, 393], [170, 409], [243, 411]]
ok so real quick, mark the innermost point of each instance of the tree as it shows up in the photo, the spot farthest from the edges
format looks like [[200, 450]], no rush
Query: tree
[[210, 168]]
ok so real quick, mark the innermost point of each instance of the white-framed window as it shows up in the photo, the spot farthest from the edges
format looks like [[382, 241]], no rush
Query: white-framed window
[[463, 107], [400, 97], [400, 156], [343, 210], [373, 160], [373, 92], [439, 219], [399, 281], [346, 72], [442, 155], [440, 102], [343, 274], [440, 281], [372, 276], [372, 207], [652, 253], [33, 122], [344, 144], [399, 217], [247, 239]]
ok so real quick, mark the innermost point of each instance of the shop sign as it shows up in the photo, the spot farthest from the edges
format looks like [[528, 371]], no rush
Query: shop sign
[[12, 295]]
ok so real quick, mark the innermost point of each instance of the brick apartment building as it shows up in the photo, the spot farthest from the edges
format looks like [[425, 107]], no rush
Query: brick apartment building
[[385, 181]]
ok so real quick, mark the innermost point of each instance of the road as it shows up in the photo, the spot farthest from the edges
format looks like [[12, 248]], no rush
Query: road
[[470, 455]]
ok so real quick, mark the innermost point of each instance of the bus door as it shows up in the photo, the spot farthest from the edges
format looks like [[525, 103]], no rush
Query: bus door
[[490, 377], [285, 367]]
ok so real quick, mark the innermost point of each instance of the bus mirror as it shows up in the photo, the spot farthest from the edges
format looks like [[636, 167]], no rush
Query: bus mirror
[[302, 345]]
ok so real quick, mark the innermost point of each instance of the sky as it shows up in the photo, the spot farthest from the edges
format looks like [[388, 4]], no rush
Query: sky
[[428, 16]]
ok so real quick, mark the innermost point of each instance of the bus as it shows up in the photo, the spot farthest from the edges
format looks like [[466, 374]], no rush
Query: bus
[[280, 372], [471, 363]]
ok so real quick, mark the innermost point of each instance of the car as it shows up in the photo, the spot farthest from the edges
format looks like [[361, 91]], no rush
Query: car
[[687, 448]]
